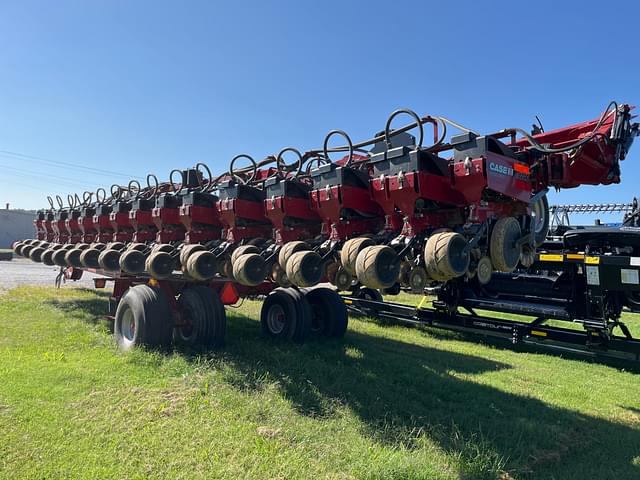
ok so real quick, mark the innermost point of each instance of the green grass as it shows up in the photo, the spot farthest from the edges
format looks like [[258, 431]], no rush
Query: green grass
[[384, 402]]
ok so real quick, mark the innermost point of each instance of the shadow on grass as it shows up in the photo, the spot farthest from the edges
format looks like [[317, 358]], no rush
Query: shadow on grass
[[406, 395], [404, 392], [93, 309]]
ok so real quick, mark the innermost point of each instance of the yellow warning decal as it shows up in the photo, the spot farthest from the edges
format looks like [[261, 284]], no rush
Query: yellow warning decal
[[153, 282], [348, 302], [592, 260], [538, 333], [548, 257], [575, 256]]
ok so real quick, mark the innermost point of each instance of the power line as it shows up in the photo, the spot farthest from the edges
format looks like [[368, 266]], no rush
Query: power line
[[35, 158], [47, 178]]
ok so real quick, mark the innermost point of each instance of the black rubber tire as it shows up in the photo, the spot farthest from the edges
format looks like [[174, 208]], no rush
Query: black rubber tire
[[26, 250], [418, 279], [17, 248], [202, 265], [160, 265], [286, 314], [115, 245], [148, 310], [328, 312], [241, 250], [484, 270], [350, 250], [540, 220], [132, 261], [205, 312], [504, 254], [250, 269], [289, 249], [444, 256], [378, 266], [162, 247], [304, 268], [109, 260], [366, 293]]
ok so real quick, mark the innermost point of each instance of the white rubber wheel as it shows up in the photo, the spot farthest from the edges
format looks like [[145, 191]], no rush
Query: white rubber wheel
[[242, 250], [350, 250], [378, 266], [160, 265], [250, 269], [445, 256], [131, 261], [505, 255], [289, 249], [202, 265], [187, 250], [304, 268]]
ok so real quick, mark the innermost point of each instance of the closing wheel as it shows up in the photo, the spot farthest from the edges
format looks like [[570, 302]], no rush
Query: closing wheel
[[366, 293], [484, 270], [242, 250], [202, 265], [446, 256], [350, 250], [527, 256], [289, 249], [250, 269], [342, 279], [279, 276], [160, 265], [304, 268], [89, 258], [36, 254], [131, 261], [109, 260], [225, 267], [204, 317], [143, 318], [378, 266], [286, 314], [17, 248], [187, 250], [328, 312], [540, 220], [26, 250], [418, 279], [505, 253]]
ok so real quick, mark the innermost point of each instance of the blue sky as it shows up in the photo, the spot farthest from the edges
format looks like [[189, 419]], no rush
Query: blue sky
[[133, 87]]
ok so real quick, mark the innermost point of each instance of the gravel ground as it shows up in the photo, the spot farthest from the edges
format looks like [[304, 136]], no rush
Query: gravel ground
[[21, 271]]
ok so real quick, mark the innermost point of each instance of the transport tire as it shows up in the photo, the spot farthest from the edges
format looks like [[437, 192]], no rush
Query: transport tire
[[505, 255], [131, 261], [143, 318], [304, 268], [204, 311], [289, 249], [186, 252], [250, 269], [36, 254], [378, 266], [160, 265], [445, 256], [540, 220], [202, 265], [241, 250], [286, 314], [109, 260], [89, 258], [350, 250], [484, 270], [328, 312]]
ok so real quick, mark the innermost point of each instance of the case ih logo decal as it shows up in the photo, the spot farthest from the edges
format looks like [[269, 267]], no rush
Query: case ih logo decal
[[501, 169], [519, 171]]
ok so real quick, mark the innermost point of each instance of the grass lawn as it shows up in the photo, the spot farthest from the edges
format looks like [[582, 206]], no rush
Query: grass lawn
[[384, 402]]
